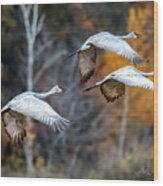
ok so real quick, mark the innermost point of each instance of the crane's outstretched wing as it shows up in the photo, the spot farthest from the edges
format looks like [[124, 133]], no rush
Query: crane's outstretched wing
[[134, 79], [87, 60], [111, 43], [112, 90], [113, 85], [14, 126], [41, 111]]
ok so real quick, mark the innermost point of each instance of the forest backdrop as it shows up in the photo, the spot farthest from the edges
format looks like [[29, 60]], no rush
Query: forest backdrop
[[91, 147]]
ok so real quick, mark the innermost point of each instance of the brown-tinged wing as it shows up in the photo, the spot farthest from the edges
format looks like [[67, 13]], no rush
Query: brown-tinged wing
[[14, 126], [87, 62], [112, 90]]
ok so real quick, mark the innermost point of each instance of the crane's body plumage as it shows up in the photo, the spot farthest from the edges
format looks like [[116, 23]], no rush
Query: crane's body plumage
[[132, 77], [30, 104], [113, 85], [108, 42]]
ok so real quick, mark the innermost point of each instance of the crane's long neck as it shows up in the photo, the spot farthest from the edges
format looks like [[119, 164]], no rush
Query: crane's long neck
[[44, 94], [127, 36]]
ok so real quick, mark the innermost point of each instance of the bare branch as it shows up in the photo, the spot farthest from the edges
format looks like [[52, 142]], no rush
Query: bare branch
[[100, 116], [40, 24], [26, 11], [123, 125], [31, 34], [34, 21], [28, 8], [43, 47], [48, 64]]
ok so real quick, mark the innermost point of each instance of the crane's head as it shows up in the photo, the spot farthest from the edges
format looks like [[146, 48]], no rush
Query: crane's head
[[57, 89], [134, 35]]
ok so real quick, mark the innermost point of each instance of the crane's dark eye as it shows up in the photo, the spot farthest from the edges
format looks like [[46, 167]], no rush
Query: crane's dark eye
[[90, 44]]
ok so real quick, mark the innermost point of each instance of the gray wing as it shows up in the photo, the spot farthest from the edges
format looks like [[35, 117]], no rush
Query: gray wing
[[87, 60], [40, 111], [116, 45], [133, 78]]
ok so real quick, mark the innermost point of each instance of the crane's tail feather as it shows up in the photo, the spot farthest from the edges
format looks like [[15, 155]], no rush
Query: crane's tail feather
[[61, 125], [148, 63]]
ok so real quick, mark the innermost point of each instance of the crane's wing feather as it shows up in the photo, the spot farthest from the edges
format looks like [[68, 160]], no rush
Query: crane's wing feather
[[41, 111], [5, 108], [87, 60], [134, 79], [112, 90], [111, 43], [14, 126]]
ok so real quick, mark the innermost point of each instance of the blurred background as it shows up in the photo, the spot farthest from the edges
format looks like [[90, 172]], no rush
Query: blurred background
[[105, 141]]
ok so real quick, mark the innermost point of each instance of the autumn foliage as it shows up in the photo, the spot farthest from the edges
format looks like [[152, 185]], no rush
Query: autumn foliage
[[89, 149]]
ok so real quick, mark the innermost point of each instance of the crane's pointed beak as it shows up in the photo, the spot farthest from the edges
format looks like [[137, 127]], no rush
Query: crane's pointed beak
[[139, 35], [61, 87]]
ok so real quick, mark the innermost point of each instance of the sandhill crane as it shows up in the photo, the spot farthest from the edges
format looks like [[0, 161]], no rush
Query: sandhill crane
[[113, 85], [31, 104], [107, 41]]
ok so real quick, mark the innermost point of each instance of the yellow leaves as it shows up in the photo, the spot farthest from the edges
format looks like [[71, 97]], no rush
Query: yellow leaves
[[31, 136], [141, 105], [141, 100], [137, 19], [40, 162], [110, 62]]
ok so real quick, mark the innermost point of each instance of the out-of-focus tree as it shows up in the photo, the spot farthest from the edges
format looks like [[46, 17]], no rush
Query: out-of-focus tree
[[33, 25]]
